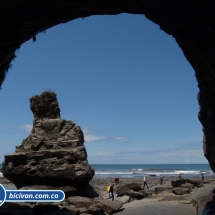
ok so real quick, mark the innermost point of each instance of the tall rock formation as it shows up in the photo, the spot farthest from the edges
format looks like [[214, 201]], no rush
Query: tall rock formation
[[53, 154]]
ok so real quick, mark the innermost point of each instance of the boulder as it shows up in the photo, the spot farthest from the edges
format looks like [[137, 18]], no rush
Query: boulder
[[121, 190], [197, 183], [178, 183], [96, 209], [180, 191], [134, 186], [135, 195], [188, 185], [80, 202], [124, 190], [53, 154], [110, 207]]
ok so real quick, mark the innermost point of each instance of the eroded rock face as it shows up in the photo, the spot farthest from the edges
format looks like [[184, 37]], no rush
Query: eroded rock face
[[45, 106], [53, 154]]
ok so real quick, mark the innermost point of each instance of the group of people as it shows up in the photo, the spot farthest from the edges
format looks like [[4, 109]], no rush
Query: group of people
[[116, 181], [111, 188]]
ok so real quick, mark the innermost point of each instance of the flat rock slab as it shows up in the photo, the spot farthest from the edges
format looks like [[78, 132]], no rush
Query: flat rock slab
[[124, 199], [160, 189], [80, 201], [181, 191], [155, 207]]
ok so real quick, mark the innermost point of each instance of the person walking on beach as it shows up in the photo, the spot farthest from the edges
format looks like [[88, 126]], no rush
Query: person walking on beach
[[203, 178], [161, 179], [116, 180], [145, 182], [179, 176], [111, 195]]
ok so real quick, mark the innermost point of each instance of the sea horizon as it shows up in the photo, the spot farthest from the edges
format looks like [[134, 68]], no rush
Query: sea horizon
[[151, 170]]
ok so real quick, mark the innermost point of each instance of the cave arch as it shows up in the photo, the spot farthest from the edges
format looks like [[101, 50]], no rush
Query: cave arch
[[191, 23]]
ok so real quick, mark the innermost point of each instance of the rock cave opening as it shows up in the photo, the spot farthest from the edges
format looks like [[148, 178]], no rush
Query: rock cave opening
[[191, 23], [97, 59]]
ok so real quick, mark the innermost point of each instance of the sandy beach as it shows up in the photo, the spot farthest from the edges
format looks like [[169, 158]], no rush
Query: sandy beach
[[164, 203]]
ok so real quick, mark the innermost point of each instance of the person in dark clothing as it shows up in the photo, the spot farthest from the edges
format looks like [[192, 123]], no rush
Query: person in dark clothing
[[145, 182], [161, 179], [203, 178], [111, 195], [116, 180]]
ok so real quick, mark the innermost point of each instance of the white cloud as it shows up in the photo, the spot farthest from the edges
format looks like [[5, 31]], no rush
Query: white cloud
[[26, 127], [118, 138], [89, 136]]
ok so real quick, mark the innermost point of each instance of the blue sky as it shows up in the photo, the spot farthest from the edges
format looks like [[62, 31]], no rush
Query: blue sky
[[120, 78]]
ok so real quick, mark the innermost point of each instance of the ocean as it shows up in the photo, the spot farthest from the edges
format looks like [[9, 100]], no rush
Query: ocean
[[150, 170]]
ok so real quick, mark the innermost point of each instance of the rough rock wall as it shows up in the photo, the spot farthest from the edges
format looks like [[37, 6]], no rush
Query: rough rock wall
[[190, 22]]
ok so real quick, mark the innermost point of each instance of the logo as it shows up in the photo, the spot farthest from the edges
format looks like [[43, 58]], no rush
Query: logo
[[30, 195], [2, 194]]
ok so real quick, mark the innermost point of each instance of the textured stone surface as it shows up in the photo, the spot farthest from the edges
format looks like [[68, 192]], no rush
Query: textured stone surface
[[110, 207], [160, 189], [178, 183], [124, 199], [191, 23], [188, 185], [45, 105], [53, 154], [134, 186], [128, 190], [80, 201], [122, 190], [180, 191], [96, 209]]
